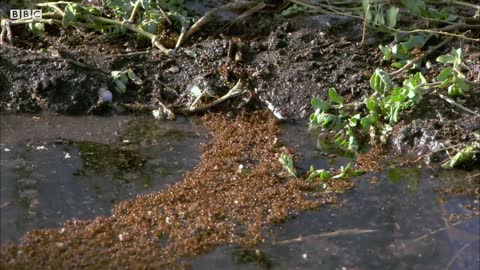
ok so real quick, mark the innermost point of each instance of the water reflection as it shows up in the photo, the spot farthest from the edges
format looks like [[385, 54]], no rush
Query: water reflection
[[51, 177]]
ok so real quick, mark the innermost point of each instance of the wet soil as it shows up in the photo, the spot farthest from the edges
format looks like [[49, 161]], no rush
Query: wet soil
[[299, 59]]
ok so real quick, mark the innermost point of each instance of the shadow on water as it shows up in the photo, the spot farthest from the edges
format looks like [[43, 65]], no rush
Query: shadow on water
[[54, 168], [398, 222]]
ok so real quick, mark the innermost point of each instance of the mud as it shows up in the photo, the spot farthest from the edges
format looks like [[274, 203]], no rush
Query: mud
[[435, 127]]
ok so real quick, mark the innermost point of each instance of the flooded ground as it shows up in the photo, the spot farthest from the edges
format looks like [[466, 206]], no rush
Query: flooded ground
[[55, 168], [396, 219]]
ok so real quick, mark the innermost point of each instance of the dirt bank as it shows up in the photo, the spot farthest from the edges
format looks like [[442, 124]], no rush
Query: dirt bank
[[297, 59]]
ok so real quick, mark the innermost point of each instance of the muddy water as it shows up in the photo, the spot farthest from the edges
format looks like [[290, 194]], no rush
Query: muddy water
[[55, 168], [400, 222]]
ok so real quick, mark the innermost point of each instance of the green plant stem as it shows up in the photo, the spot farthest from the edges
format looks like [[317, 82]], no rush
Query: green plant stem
[[54, 6], [451, 101], [234, 92], [54, 3], [164, 14], [131, 27], [134, 11], [3, 35], [136, 29], [46, 21], [419, 58]]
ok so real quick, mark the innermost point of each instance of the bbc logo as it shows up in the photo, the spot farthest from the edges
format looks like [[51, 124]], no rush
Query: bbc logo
[[16, 14]]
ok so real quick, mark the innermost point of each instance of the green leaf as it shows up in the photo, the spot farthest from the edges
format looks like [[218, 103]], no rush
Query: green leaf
[[353, 144], [294, 10], [372, 104], [445, 59], [354, 120], [320, 104], [37, 29], [133, 77], [91, 10], [446, 73], [414, 41], [399, 64], [368, 121], [191, 54], [392, 16], [416, 6], [466, 155], [394, 114], [146, 4], [322, 174], [287, 163], [69, 15], [119, 86], [343, 171], [454, 90], [400, 52], [462, 84], [380, 81], [446, 82], [150, 26], [387, 53], [334, 96]]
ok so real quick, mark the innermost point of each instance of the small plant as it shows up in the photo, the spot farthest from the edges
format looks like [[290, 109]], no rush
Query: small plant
[[403, 52], [145, 18], [120, 80], [340, 123], [287, 163], [344, 172], [468, 154], [381, 114], [452, 76], [318, 174]]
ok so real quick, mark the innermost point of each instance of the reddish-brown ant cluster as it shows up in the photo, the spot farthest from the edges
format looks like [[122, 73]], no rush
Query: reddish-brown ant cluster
[[229, 198]]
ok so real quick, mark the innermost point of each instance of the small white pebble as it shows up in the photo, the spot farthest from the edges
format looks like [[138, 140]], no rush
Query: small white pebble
[[6, 150], [67, 155], [126, 141], [305, 256], [104, 95], [120, 236], [41, 147]]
